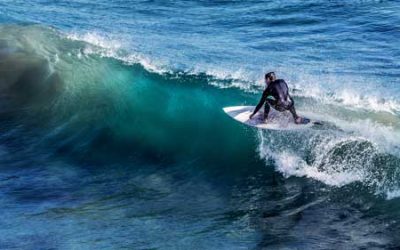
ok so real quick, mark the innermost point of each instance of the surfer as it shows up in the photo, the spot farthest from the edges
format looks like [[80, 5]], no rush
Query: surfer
[[276, 94]]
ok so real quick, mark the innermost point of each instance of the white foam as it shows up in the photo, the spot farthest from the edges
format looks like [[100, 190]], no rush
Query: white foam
[[290, 163], [354, 164], [351, 99], [375, 103], [223, 78], [96, 39], [112, 48], [385, 137], [392, 194]]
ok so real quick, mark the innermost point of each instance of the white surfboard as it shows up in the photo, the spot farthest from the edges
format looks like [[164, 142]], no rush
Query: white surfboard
[[276, 120]]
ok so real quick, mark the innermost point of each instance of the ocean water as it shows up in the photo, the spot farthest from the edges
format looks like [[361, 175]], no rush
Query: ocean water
[[112, 134]]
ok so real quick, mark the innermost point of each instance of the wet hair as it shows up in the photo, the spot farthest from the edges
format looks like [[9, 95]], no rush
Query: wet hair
[[271, 76]]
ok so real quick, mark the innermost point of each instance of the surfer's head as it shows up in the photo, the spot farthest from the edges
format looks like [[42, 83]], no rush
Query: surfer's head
[[270, 77]]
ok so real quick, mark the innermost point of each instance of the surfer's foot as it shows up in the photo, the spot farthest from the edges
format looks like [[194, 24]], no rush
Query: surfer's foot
[[300, 120]]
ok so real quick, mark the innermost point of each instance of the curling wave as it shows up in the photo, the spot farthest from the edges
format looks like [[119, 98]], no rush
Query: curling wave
[[88, 97]]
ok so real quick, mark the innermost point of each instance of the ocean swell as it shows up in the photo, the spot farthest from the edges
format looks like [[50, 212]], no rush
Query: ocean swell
[[92, 105], [88, 97]]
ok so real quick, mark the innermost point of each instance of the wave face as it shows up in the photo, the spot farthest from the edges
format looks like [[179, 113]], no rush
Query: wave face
[[92, 103], [126, 124], [89, 102]]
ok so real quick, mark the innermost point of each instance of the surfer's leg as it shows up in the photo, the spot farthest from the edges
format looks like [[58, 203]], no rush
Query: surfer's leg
[[297, 119], [267, 107], [292, 110], [266, 110]]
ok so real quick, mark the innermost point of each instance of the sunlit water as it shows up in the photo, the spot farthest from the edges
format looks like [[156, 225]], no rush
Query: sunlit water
[[112, 133]]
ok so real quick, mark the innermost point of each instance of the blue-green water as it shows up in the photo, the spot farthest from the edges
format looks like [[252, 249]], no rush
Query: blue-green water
[[112, 133]]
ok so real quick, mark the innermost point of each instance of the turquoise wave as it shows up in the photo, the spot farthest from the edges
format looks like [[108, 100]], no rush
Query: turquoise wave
[[72, 98], [99, 107]]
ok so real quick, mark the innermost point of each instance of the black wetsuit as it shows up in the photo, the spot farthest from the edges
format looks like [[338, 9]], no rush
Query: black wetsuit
[[281, 101]]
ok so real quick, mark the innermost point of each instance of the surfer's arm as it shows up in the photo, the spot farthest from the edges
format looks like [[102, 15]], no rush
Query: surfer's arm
[[259, 105]]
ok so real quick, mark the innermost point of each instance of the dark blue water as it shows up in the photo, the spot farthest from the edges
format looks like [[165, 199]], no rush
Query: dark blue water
[[112, 133]]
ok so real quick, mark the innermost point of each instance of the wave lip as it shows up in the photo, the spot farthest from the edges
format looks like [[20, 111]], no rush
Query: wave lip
[[113, 48], [241, 78]]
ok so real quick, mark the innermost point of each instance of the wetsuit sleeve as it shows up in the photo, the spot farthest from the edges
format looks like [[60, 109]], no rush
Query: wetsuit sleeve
[[262, 101]]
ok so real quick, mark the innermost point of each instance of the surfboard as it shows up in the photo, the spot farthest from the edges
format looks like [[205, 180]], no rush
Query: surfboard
[[276, 120]]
